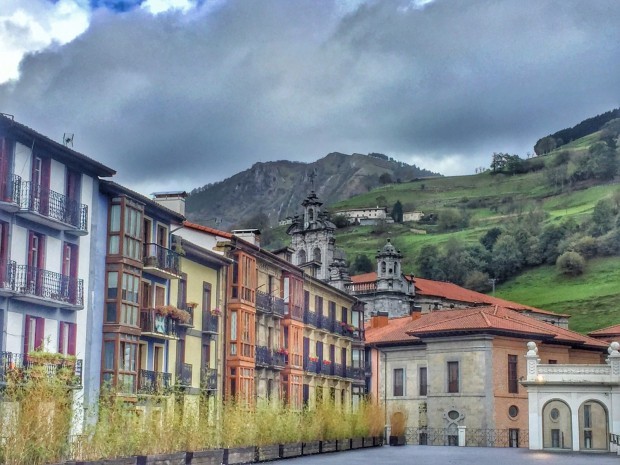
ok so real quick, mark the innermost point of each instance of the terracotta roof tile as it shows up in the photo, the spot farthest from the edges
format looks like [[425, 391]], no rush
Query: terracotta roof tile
[[494, 319], [207, 229], [450, 291], [607, 332], [395, 331]]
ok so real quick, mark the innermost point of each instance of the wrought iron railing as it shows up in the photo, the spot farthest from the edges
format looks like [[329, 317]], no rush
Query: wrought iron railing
[[154, 382], [209, 322], [474, 437], [263, 302], [162, 258], [327, 368], [311, 365], [21, 368], [49, 285], [208, 379], [190, 322], [310, 318], [278, 359], [151, 322], [263, 356], [10, 189], [339, 370], [46, 202], [7, 274], [356, 373], [184, 375], [279, 306]]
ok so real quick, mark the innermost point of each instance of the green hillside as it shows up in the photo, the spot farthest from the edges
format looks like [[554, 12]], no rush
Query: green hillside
[[550, 228]]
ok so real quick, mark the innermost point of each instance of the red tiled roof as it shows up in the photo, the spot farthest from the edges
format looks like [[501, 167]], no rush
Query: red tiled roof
[[207, 229], [394, 331], [450, 291], [608, 332], [489, 319]]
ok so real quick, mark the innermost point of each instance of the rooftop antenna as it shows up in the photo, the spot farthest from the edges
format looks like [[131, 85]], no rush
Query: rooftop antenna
[[67, 139]]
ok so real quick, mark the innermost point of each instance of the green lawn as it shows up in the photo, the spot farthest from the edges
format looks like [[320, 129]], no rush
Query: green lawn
[[592, 300]]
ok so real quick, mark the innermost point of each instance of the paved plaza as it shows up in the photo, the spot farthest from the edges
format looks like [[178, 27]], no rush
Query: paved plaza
[[441, 455]]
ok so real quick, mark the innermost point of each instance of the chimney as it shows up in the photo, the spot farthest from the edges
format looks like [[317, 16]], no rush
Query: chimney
[[249, 235], [379, 320], [174, 200], [416, 312]]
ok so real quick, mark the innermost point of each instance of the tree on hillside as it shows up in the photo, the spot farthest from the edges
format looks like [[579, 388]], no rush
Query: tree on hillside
[[427, 259], [385, 178], [545, 145], [489, 238], [340, 221], [506, 259], [571, 264], [603, 217], [397, 212], [361, 264]]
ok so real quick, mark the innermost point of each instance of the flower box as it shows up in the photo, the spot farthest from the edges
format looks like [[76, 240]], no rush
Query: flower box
[[357, 443], [378, 440], [343, 444], [311, 448], [265, 453], [177, 458], [292, 449], [234, 455], [206, 457], [328, 446]]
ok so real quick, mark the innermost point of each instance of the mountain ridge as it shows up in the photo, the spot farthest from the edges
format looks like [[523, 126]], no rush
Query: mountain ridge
[[277, 188]]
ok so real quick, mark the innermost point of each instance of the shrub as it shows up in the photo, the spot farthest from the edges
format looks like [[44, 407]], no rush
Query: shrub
[[571, 264]]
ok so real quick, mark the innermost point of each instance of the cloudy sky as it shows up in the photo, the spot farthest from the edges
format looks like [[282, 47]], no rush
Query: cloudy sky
[[174, 94]]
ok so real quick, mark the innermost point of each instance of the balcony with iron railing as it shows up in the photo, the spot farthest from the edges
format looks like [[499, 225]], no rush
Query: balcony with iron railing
[[154, 382], [311, 365], [263, 302], [268, 304], [48, 288], [208, 379], [184, 375], [20, 369], [7, 277], [310, 318], [189, 323], [327, 368], [339, 370], [263, 356], [210, 322], [52, 209], [155, 325], [10, 188], [161, 261]]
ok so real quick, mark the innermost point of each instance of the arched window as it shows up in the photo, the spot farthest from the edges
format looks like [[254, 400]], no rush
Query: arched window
[[310, 214], [301, 257], [382, 267], [316, 254], [557, 425], [593, 423]]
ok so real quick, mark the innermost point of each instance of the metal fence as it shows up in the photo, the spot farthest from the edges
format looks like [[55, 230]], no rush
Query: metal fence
[[474, 437]]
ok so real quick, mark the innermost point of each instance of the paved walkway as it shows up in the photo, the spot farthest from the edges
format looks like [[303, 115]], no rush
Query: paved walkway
[[442, 455]]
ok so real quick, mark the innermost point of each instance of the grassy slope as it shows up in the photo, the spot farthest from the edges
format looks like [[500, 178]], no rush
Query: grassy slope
[[592, 298]]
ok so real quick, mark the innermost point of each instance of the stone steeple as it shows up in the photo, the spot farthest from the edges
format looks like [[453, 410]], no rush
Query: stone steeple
[[312, 239]]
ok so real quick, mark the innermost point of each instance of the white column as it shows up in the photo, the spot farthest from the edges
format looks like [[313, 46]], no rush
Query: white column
[[462, 435]]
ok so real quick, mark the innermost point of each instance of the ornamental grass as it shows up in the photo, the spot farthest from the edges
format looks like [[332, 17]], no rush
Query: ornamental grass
[[36, 420]]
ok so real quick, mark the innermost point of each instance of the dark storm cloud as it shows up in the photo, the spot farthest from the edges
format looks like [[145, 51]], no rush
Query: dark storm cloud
[[176, 101]]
